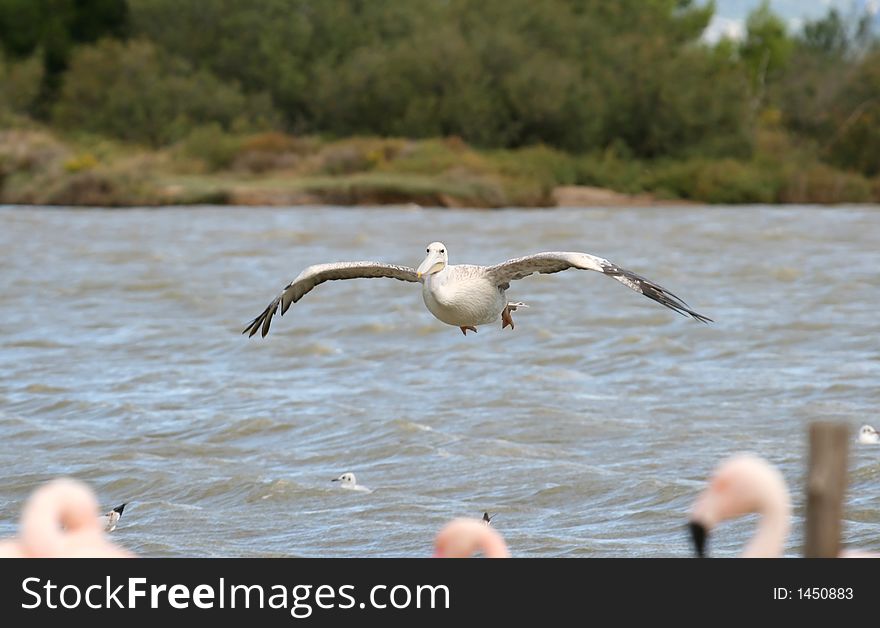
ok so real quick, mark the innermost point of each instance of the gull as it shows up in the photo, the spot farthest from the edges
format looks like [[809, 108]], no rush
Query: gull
[[111, 518], [466, 295], [349, 481], [869, 436]]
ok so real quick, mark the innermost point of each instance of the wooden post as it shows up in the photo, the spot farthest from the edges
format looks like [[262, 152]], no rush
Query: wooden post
[[826, 486]]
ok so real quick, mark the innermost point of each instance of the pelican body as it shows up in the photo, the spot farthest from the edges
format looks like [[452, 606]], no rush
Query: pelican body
[[460, 300], [465, 295]]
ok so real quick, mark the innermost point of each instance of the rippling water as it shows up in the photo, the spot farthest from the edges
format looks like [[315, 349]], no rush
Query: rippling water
[[589, 429]]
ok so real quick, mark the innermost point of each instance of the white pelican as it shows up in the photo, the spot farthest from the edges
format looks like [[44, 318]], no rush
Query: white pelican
[[349, 481], [464, 295], [110, 519], [869, 436]]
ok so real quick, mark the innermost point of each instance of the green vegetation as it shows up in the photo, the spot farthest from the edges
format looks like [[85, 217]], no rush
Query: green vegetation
[[133, 92], [459, 102]]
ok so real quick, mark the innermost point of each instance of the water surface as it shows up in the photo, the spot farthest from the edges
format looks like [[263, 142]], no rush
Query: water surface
[[589, 429]]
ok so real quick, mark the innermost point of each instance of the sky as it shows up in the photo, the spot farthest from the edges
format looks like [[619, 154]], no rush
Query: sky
[[730, 15]]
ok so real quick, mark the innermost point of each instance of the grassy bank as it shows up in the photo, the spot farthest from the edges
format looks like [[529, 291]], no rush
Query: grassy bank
[[39, 166]]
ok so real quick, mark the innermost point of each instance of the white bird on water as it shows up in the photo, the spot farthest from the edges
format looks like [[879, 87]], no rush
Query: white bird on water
[[349, 481], [869, 436], [465, 295], [110, 519]]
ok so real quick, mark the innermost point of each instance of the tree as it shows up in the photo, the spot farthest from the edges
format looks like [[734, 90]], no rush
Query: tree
[[827, 36], [855, 119], [132, 91], [54, 27], [766, 49]]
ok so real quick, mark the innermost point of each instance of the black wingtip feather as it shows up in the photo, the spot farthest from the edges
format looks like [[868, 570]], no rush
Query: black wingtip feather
[[263, 320], [252, 327], [249, 328], [654, 292]]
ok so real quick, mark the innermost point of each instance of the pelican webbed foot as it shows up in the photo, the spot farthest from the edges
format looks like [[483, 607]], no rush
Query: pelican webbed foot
[[506, 318]]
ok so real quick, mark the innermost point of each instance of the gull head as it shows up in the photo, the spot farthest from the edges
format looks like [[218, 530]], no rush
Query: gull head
[[869, 436], [347, 480], [435, 260]]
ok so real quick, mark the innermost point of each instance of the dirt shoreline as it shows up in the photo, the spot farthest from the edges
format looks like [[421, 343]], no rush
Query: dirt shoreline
[[39, 167], [562, 196], [587, 196]]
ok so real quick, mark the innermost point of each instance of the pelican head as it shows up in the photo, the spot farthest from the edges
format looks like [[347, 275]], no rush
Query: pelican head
[[435, 261]]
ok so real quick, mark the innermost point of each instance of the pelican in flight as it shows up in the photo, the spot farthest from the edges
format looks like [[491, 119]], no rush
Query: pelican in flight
[[465, 295]]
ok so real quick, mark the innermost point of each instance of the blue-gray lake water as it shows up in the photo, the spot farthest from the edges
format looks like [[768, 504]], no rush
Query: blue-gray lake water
[[589, 429]]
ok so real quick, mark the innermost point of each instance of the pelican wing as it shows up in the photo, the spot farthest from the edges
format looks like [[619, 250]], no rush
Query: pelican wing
[[554, 262], [314, 275]]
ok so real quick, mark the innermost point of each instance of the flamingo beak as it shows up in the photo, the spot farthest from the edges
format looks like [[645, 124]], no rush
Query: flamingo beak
[[699, 535]]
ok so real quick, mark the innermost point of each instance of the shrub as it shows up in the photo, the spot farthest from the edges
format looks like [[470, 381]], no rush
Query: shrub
[[81, 162], [548, 166], [609, 170], [269, 151], [819, 183], [359, 154], [434, 156], [269, 142], [212, 145], [20, 83], [131, 91], [719, 181], [29, 151]]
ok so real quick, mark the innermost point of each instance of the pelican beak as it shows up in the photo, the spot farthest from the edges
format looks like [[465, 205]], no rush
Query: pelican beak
[[699, 534], [428, 266]]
